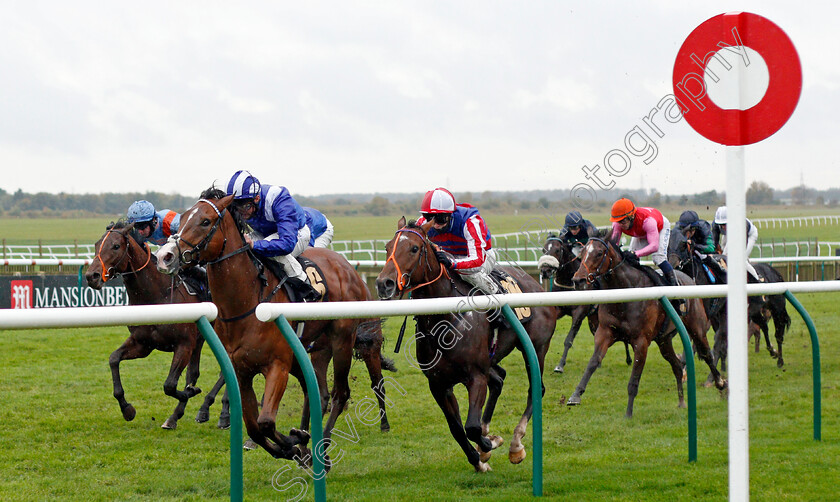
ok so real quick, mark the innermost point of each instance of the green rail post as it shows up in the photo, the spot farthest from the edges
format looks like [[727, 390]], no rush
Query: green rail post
[[535, 379], [81, 269], [689, 369], [815, 356], [316, 426], [235, 406]]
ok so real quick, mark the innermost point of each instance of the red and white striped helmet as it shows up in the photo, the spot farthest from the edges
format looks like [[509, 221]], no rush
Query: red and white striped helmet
[[438, 201]]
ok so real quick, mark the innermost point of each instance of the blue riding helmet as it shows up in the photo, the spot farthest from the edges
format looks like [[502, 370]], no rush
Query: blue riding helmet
[[243, 185], [140, 211], [574, 219], [688, 219]]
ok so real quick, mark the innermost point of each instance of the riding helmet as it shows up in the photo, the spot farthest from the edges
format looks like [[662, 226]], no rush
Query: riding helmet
[[140, 211], [688, 219], [243, 185], [574, 219], [720, 215], [622, 209], [438, 201]]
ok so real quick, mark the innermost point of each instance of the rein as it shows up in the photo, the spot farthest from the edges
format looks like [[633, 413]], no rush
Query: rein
[[403, 279], [592, 275], [196, 249]]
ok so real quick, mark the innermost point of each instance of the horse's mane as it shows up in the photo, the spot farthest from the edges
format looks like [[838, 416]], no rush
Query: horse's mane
[[412, 224]]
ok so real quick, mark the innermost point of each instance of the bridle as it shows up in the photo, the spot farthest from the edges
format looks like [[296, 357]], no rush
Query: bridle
[[404, 278], [194, 253], [111, 272], [592, 274]]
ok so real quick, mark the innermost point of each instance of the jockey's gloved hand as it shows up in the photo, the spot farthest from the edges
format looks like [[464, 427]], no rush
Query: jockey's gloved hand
[[444, 259], [631, 257]]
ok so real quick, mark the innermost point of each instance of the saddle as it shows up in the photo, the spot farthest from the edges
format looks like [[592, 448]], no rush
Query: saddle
[[507, 283], [313, 290]]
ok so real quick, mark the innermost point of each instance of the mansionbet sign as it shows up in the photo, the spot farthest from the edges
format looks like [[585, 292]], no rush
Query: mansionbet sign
[[57, 291]]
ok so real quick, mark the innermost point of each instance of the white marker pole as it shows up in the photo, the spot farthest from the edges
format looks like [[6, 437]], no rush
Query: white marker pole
[[736, 301]]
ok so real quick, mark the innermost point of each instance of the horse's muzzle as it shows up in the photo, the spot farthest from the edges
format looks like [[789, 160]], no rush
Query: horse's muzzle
[[386, 288], [94, 280], [167, 260]]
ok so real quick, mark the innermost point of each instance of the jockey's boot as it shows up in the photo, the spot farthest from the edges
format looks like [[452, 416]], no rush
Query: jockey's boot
[[305, 290]]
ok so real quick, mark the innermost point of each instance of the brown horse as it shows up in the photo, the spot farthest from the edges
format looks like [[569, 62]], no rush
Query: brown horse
[[210, 233], [639, 323], [119, 254], [559, 264], [460, 348]]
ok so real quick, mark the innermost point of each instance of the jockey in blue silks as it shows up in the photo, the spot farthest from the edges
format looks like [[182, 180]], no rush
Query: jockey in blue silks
[[153, 226], [320, 228], [278, 221], [458, 229]]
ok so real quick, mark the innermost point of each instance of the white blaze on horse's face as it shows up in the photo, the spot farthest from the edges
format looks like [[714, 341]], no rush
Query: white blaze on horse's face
[[168, 259]]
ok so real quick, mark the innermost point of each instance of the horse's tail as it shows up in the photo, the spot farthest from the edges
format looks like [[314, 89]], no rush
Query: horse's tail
[[369, 339]]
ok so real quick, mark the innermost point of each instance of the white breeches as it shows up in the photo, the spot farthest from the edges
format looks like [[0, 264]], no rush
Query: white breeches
[[324, 240], [289, 261], [480, 276]]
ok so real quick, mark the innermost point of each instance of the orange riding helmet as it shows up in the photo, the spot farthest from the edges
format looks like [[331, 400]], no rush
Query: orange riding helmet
[[622, 208]]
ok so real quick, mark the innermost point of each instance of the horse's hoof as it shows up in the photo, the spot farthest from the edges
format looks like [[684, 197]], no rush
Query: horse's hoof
[[202, 416], [681, 404], [385, 428], [780, 363], [517, 457], [484, 456], [249, 445], [170, 424], [193, 391], [482, 467], [129, 413], [558, 368], [302, 456], [301, 435], [224, 422], [573, 401]]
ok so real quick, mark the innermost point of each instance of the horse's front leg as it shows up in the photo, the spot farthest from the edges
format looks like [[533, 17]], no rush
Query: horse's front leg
[[640, 348], [495, 384], [276, 379], [180, 358], [516, 454], [578, 315], [666, 348], [342, 360], [203, 414], [320, 363], [445, 399], [604, 338], [130, 349], [477, 394]]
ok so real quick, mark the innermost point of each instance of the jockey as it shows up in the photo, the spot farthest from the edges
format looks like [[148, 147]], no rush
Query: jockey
[[650, 232], [458, 229], [153, 226], [577, 230], [320, 228], [698, 233], [279, 225], [721, 244]]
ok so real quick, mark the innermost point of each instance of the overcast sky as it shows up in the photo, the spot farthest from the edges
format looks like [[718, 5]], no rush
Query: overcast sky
[[337, 97]]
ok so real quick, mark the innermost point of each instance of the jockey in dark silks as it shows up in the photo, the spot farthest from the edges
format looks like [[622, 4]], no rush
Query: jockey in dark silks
[[458, 229], [577, 230], [697, 232]]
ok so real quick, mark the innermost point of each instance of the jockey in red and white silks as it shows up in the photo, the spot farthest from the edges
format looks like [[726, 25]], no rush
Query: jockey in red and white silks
[[460, 230]]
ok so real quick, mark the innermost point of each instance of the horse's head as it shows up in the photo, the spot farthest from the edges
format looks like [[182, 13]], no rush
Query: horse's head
[[112, 254], [198, 238], [411, 260], [597, 259], [556, 255]]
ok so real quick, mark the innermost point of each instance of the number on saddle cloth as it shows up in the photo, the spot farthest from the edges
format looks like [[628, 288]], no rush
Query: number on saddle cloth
[[510, 285]]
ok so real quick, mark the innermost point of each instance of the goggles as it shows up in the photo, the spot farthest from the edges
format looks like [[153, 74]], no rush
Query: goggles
[[439, 218]]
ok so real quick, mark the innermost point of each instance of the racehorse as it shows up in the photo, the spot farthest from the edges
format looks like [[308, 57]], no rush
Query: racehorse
[[759, 307], [211, 233], [118, 253], [460, 347], [640, 323], [559, 264]]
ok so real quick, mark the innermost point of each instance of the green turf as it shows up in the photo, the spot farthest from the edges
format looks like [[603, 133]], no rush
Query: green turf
[[64, 438]]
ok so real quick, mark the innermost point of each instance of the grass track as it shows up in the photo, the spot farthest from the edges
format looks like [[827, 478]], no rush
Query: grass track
[[63, 436]]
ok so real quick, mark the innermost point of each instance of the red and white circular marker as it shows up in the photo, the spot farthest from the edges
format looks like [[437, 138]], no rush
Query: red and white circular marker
[[733, 126]]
